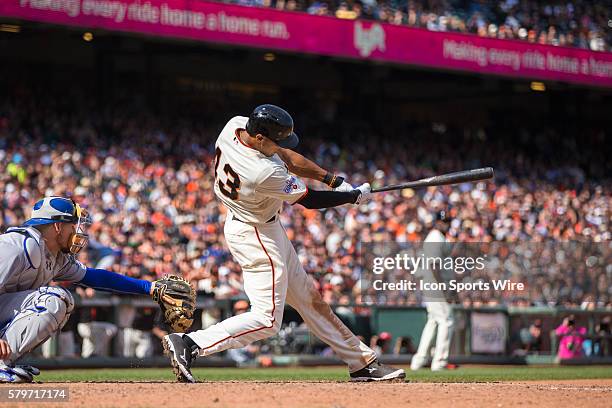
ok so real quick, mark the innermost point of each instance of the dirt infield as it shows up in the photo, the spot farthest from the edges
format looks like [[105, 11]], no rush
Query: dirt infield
[[592, 393]]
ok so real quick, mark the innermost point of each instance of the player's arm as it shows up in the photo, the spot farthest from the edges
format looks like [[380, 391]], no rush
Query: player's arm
[[316, 199], [175, 296], [282, 185], [104, 280], [303, 167], [100, 279]]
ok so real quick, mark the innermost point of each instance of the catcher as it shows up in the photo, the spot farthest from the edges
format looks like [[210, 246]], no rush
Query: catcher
[[43, 250]]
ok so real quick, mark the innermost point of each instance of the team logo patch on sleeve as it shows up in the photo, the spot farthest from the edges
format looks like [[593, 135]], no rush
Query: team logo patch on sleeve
[[290, 184]]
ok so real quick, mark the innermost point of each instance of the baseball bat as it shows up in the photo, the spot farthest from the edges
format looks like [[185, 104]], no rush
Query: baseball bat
[[443, 179]]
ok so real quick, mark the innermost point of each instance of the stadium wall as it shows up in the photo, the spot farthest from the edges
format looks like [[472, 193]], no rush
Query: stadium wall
[[485, 335]]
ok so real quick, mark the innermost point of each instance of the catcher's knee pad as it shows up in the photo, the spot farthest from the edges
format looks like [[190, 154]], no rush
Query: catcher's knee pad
[[57, 301], [47, 293]]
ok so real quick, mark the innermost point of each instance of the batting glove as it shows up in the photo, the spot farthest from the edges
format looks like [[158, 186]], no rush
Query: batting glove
[[344, 187], [364, 194]]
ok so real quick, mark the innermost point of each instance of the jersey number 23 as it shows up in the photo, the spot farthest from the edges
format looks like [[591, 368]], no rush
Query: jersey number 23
[[230, 187]]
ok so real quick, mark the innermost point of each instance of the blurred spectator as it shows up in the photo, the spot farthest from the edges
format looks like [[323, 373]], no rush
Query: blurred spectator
[[531, 337], [602, 346], [570, 338], [404, 345], [381, 343], [137, 339], [137, 326], [96, 334]]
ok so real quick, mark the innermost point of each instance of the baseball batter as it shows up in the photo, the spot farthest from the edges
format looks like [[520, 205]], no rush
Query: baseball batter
[[32, 256], [253, 182]]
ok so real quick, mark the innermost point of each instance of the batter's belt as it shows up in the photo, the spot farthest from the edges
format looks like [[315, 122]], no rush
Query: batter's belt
[[270, 221]]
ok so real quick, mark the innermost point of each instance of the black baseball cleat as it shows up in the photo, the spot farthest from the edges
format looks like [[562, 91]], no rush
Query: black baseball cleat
[[180, 356], [378, 372]]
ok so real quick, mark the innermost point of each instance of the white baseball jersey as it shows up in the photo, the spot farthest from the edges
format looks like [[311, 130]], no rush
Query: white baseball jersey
[[252, 185], [26, 264]]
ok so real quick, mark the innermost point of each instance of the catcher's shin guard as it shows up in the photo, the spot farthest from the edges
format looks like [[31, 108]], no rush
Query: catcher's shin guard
[[45, 312]]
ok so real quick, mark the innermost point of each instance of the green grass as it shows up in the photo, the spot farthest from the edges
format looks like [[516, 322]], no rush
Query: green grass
[[463, 374]]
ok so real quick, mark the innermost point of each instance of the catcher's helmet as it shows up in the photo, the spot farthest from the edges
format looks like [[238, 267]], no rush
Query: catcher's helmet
[[274, 123]]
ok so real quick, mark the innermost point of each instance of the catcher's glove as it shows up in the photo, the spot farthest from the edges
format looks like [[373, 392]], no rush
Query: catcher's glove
[[176, 298]]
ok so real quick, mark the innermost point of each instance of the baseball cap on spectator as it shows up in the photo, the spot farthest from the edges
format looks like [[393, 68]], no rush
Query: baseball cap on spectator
[[384, 336], [443, 215], [336, 280], [80, 191], [224, 270]]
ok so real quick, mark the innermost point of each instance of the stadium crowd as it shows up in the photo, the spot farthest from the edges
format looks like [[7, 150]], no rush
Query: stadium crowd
[[148, 184], [575, 23]]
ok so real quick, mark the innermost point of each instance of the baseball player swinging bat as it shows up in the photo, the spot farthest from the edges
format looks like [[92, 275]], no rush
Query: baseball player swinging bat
[[253, 161], [443, 179]]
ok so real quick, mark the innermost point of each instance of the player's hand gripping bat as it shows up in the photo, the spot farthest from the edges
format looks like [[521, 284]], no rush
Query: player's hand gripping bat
[[443, 179]]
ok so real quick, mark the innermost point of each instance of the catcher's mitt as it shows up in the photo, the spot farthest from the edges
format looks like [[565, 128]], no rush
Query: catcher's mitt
[[176, 298]]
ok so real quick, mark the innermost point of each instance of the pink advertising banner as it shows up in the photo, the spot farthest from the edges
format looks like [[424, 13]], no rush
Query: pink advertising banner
[[300, 32]]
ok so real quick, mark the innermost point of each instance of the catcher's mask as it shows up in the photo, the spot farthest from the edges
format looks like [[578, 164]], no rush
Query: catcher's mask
[[50, 210], [78, 240]]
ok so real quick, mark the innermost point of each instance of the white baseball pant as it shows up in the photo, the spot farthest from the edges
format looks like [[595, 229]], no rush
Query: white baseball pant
[[96, 338], [273, 274], [137, 343], [439, 316]]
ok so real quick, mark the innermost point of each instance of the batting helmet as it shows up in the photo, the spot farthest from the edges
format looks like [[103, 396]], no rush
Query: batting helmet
[[274, 123]]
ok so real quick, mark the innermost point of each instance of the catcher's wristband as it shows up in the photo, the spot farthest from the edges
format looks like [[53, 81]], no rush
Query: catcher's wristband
[[332, 180]]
